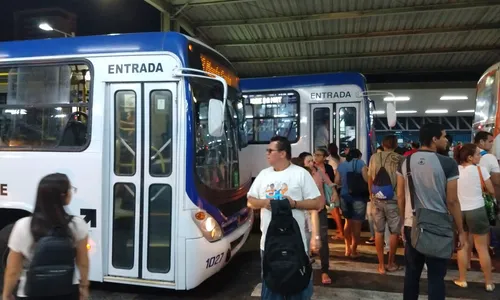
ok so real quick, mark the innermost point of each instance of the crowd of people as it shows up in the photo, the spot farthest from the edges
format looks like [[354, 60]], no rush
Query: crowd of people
[[435, 204]]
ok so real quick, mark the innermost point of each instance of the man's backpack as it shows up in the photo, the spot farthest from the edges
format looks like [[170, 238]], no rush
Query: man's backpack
[[382, 185], [286, 266], [51, 270], [356, 184]]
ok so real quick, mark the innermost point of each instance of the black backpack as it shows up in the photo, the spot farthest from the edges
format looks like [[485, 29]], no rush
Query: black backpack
[[286, 266], [382, 187], [356, 184], [51, 270]]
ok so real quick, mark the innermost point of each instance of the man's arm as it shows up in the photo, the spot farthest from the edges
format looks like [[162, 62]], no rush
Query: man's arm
[[453, 204], [371, 167], [401, 196], [255, 203], [309, 204], [490, 162], [495, 180]]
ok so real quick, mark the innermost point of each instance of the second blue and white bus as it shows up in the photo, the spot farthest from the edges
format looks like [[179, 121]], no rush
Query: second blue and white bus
[[149, 129], [311, 111]]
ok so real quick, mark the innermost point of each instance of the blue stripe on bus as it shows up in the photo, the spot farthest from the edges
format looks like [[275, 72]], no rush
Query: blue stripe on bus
[[295, 81], [101, 44]]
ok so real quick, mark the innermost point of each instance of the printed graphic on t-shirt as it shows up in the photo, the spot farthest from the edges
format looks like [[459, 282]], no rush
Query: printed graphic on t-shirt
[[276, 191]]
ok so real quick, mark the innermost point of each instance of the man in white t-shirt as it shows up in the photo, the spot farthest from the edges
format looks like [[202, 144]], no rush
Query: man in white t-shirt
[[484, 140], [286, 182]]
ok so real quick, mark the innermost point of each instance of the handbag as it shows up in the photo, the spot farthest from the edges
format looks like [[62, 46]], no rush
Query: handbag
[[489, 201], [432, 232], [331, 196], [326, 188]]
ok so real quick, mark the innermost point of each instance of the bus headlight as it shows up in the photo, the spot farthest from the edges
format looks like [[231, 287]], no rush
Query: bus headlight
[[209, 227]]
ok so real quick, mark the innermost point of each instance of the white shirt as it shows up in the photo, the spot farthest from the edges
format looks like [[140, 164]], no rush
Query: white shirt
[[470, 193], [294, 182], [21, 240], [490, 162]]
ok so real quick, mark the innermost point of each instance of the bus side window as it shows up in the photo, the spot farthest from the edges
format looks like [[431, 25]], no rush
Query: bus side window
[[272, 113], [125, 133], [160, 130], [45, 107], [347, 128]]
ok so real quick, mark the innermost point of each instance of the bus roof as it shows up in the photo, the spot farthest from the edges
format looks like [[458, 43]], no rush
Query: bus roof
[[99, 44], [489, 70], [284, 82]]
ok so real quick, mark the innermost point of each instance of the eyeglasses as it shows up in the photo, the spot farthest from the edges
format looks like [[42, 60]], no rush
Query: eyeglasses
[[269, 151]]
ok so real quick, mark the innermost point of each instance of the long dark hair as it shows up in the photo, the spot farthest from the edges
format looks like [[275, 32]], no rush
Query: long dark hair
[[353, 154], [334, 151], [49, 212], [462, 153]]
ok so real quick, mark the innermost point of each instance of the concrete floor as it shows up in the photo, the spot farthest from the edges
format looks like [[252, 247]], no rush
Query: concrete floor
[[352, 279]]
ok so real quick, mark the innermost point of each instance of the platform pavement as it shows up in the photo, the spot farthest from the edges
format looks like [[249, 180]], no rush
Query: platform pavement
[[358, 278]]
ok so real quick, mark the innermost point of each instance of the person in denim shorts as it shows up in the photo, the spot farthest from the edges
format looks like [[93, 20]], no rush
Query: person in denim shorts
[[353, 208]]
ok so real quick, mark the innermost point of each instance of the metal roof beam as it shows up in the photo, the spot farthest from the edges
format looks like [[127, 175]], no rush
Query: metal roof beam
[[356, 36], [159, 5], [206, 2], [350, 14], [294, 59], [166, 7]]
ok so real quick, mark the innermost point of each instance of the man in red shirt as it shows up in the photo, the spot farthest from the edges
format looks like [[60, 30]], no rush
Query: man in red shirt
[[414, 148]]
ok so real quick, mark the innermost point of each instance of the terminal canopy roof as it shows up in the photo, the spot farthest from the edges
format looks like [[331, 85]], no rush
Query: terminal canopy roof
[[285, 37]]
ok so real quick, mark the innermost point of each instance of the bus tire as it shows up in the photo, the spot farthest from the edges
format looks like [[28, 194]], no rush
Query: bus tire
[[4, 250]]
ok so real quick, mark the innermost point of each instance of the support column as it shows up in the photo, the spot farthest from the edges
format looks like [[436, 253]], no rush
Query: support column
[[165, 22], [176, 26]]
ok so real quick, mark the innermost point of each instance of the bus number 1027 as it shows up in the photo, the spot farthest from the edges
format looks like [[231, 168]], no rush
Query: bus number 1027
[[212, 261]]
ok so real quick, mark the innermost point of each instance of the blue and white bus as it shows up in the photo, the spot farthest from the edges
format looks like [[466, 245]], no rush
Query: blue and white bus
[[311, 111], [149, 129]]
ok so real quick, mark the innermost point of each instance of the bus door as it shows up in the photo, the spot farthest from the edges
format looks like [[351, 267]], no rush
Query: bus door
[[347, 118], [323, 125], [142, 180]]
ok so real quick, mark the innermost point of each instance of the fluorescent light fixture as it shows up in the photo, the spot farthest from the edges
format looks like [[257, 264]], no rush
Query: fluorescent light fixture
[[399, 98], [406, 111], [465, 111], [454, 98], [436, 111], [45, 26], [379, 112]]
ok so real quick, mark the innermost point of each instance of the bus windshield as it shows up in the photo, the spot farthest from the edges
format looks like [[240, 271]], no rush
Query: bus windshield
[[216, 157], [486, 104]]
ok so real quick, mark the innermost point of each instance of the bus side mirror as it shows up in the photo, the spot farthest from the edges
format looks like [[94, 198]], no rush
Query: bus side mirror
[[216, 118], [391, 114]]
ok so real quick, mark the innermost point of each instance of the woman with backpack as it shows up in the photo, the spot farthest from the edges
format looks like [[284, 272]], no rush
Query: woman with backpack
[[353, 180], [48, 238], [321, 179]]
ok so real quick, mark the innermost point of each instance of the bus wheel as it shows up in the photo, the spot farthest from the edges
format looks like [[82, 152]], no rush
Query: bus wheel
[[4, 250]]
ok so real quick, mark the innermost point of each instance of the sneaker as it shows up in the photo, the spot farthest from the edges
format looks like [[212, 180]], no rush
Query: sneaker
[[371, 241]]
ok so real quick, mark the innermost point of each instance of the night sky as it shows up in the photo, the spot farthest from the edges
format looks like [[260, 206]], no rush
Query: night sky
[[93, 16]]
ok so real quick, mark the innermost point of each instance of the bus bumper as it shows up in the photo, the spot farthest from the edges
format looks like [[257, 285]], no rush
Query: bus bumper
[[203, 259]]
